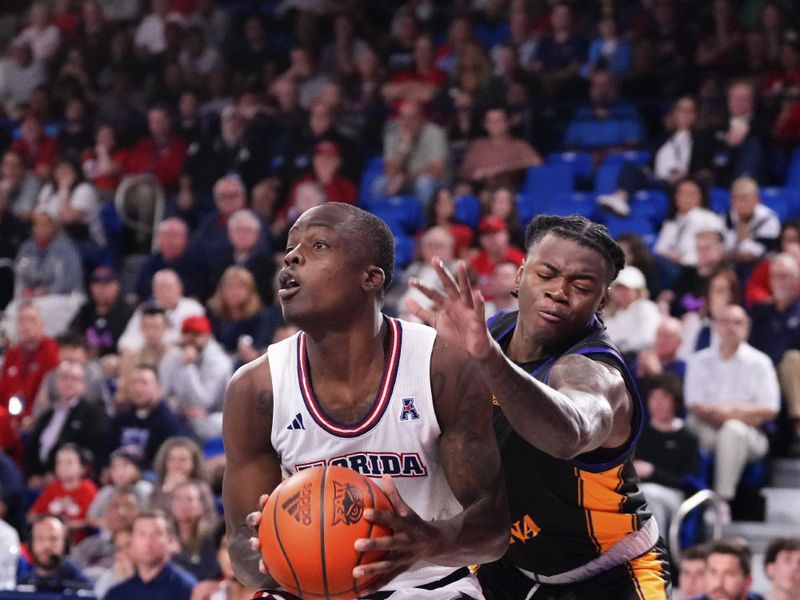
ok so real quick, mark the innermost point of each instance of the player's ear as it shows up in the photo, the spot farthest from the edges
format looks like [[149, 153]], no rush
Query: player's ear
[[603, 301], [373, 278], [518, 280]]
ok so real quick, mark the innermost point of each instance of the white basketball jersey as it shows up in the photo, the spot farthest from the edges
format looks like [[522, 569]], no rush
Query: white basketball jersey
[[399, 436]]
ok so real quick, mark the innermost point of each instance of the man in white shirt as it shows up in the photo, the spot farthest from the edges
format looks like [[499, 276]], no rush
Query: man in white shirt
[[195, 375], [168, 295], [636, 318], [752, 227], [730, 391]]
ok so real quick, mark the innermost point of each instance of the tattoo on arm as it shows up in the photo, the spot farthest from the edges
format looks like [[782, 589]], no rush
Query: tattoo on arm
[[264, 403]]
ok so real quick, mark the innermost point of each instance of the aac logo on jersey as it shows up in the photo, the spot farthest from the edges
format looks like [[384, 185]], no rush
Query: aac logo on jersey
[[409, 411]]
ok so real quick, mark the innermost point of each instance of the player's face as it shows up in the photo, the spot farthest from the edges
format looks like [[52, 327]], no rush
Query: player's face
[[725, 579], [561, 286], [321, 278]]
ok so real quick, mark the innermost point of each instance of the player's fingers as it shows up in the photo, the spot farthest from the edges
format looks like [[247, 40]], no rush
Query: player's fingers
[[479, 303], [262, 568], [374, 568], [415, 308], [384, 543], [253, 519], [436, 296], [463, 283], [262, 500], [255, 544], [399, 505], [448, 283]]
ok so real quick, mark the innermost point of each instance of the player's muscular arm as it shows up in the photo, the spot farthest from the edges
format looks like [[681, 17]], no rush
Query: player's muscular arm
[[571, 415], [470, 460], [252, 466]]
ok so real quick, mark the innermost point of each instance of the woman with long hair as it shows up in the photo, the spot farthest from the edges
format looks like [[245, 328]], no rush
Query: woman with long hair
[[195, 528], [178, 460], [240, 322]]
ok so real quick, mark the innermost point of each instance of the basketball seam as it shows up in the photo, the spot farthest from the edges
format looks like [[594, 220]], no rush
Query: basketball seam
[[322, 532], [280, 543]]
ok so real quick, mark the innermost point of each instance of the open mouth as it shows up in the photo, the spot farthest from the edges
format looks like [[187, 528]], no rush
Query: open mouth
[[288, 285]]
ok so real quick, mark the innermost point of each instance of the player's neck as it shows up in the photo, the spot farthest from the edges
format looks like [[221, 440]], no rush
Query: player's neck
[[348, 353], [524, 347]]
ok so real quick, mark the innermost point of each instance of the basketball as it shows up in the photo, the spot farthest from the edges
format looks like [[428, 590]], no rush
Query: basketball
[[308, 527]]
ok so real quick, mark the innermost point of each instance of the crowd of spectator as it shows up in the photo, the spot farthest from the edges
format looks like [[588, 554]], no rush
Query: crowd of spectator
[[155, 154]]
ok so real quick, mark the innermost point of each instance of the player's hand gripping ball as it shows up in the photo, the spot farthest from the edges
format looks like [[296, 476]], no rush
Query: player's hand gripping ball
[[308, 527]]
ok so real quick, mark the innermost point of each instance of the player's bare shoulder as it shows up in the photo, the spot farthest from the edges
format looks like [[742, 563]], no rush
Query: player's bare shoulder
[[249, 393]]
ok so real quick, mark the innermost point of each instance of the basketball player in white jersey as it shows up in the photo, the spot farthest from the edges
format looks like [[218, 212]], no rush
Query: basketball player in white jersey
[[384, 397]]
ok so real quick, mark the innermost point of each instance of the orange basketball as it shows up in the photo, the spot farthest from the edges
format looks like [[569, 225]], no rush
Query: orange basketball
[[308, 528]]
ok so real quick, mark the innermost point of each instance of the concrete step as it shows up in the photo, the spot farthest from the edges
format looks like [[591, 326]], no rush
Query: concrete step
[[759, 534], [782, 506], [785, 472]]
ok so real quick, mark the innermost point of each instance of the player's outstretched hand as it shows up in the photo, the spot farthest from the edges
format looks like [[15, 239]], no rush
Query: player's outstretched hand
[[413, 539], [253, 520], [458, 312]]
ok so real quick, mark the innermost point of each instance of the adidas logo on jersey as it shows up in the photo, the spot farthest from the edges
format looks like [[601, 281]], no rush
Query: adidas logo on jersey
[[297, 423]]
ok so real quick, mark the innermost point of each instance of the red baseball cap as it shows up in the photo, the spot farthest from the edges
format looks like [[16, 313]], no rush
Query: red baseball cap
[[326, 147], [196, 324], [491, 224]]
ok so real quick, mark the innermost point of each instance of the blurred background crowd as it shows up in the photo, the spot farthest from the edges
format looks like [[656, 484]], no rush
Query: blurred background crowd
[[155, 154]]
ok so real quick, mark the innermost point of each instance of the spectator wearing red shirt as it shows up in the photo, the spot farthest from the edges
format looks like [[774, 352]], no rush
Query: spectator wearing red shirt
[[102, 165], [38, 150], [326, 163], [423, 82], [161, 153], [27, 363], [496, 247], [70, 495]]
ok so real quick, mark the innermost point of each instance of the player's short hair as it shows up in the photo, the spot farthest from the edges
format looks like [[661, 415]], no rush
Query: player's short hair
[[778, 545], [376, 239], [582, 231], [737, 547]]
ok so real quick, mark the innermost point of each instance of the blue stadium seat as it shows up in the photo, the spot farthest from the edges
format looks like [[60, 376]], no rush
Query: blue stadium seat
[[778, 200], [640, 222], [654, 202], [403, 214], [372, 171], [720, 199], [528, 206], [605, 181], [403, 251], [548, 179], [640, 157], [793, 170], [580, 162], [468, 210]]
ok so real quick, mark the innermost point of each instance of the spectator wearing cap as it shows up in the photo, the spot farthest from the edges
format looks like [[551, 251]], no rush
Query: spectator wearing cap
[[71, 419], [231, 149], [498, 159], [414, 154], [195, 375], [172, 252], [495, 242], [124, 473], [326, 163], [634, 318], [149, 421], [167, 295], [103, 317]]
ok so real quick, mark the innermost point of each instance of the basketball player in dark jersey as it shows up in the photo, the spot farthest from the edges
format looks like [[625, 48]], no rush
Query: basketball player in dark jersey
[[567, 418], [338, 262]]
